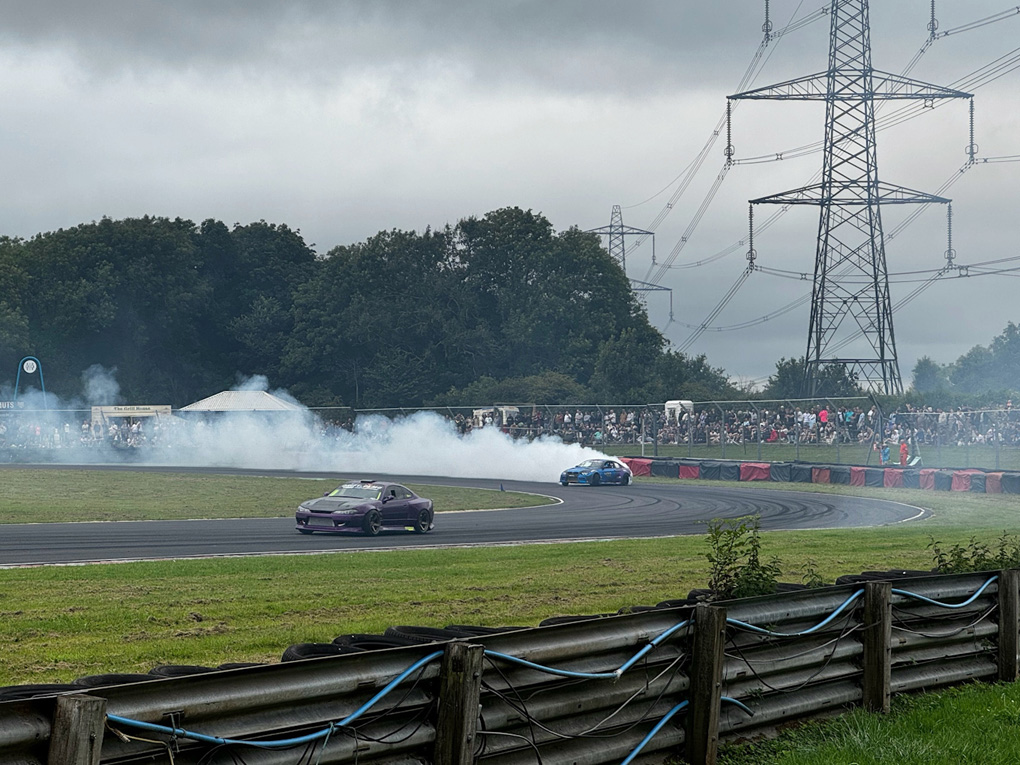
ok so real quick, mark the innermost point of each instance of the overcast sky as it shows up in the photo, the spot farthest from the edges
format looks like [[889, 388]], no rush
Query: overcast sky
[[345, 118]]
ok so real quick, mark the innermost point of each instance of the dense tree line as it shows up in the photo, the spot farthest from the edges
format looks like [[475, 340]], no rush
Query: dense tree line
[[982, 374], [500, 307]]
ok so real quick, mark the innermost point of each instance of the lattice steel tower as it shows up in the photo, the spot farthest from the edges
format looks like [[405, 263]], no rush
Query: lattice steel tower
[[850, 297], [617, 234]]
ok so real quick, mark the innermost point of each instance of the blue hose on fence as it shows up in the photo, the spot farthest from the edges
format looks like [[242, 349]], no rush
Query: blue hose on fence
[[287, 742], [820, 625], [967, 602], [593, 675], [665, 719]]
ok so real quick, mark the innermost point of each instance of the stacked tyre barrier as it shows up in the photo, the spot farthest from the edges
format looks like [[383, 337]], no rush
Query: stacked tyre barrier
[[639, 686], [933, 479]]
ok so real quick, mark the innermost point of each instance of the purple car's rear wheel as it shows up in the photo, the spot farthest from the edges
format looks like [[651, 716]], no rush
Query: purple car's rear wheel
[[372, 523], [423, 523]]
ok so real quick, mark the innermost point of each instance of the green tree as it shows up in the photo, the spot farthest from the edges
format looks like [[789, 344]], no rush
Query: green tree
[[546, 388], [386, 322], [121, 294], [928, 376], [625, 370], [788, 381], [14, 328], [1006, 352], [689, 377], [271, 263], [974, 371], [548, 300]]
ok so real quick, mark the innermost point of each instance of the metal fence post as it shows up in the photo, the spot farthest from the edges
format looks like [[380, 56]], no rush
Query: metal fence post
[[757, 427], [459, 690], [996, 429], [690, 432], [877, 655], [706, 685], [722, 430], [1009, 625], [77, 737]]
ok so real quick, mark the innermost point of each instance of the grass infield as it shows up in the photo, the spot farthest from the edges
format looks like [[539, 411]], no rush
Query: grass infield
[[45, 496]]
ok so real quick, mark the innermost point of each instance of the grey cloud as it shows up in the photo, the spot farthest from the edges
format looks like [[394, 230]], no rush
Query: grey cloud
[[561, 45]]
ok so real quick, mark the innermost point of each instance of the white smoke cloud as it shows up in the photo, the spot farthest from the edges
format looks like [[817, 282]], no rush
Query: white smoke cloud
[[101, 386], [422, 444]]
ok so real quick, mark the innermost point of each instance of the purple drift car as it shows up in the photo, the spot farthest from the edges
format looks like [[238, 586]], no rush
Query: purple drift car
[[368, 507]]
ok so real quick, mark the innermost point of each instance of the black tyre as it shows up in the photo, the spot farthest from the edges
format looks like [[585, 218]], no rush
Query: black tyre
[[468, 630], [625, 480], [304, 531], [364, 642], [179, 670], [595, 480], [113, 678], [240, 664], [424, 523], [15, 692], [422, 634], [372, 524], [571, 619], [564, 483], [300, 651]]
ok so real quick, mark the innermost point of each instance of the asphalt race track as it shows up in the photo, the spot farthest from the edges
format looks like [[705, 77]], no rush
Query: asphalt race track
[[584, 513]]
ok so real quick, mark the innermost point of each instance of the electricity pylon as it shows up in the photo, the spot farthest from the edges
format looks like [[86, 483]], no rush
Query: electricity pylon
[[617, 234], [850, 296]]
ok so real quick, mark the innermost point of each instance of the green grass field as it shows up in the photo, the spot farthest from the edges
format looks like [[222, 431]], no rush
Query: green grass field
[[44, 496], [58, 623], [62, 622]]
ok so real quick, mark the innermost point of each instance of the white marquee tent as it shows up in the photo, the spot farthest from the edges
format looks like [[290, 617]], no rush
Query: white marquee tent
[[242, 401]]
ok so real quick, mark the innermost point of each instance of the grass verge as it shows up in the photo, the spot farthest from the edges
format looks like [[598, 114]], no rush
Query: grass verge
[[46, 496], [969, 725]]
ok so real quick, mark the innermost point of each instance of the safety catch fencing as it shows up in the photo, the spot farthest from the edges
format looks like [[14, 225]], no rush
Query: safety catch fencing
[[634, 688]]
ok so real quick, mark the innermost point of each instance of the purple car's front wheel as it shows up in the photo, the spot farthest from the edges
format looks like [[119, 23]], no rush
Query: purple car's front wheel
[[372, 523]]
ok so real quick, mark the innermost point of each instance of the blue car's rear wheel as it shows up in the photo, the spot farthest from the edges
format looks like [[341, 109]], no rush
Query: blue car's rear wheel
[[372, 523], [625, 480]]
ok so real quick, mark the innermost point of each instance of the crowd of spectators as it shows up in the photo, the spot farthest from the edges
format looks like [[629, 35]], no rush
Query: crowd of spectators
[[32, 431], [958, 427], [704, 425]]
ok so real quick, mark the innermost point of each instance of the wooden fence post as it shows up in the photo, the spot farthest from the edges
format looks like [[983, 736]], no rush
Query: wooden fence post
[[460, 686], [1009, 625], [702, 745], [77, 735], [877, 656]]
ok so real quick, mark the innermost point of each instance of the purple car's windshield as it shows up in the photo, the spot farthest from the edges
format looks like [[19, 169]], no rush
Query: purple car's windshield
[[357, 491]]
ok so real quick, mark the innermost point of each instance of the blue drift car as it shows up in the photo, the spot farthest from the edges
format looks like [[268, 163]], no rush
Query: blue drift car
[[597, 472]]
